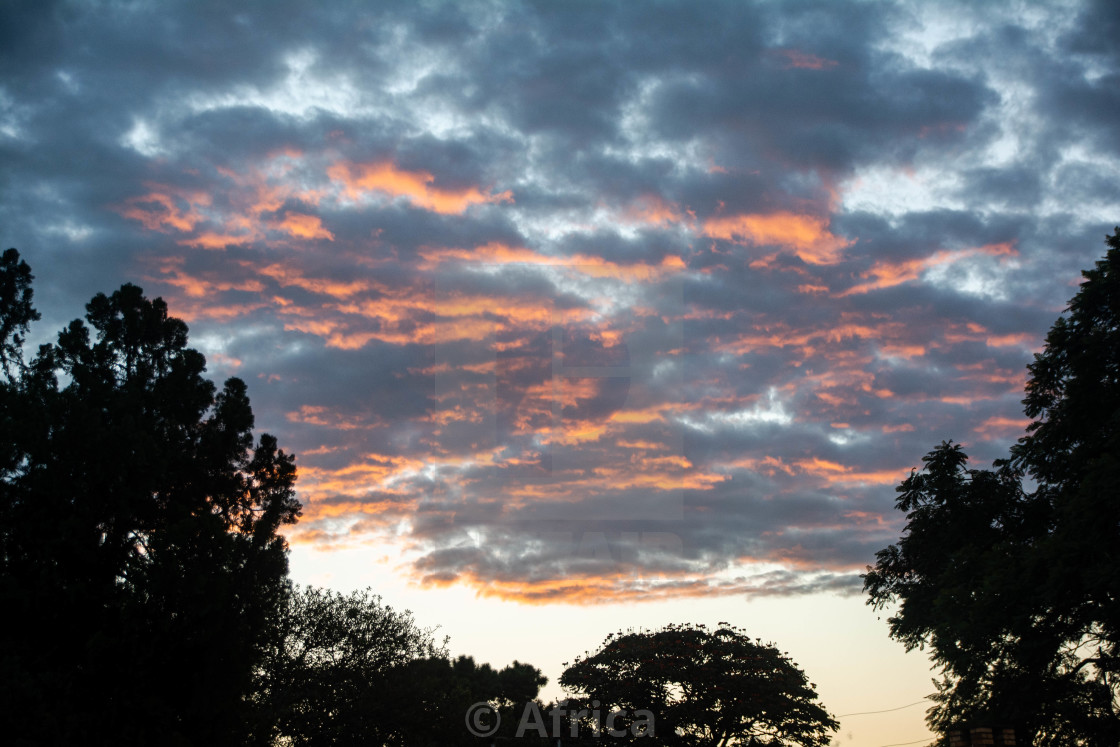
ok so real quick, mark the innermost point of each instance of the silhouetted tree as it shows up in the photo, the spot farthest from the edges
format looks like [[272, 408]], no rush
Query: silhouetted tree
[[1017, 593], [347, 669], [16, 312], [436, 694], [701, 687], [140, 562], [331, 675]]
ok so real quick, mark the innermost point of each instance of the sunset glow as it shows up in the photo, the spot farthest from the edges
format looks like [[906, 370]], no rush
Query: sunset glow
[[625, 307]]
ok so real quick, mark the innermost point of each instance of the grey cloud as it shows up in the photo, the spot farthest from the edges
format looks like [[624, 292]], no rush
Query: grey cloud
[[582, 112]]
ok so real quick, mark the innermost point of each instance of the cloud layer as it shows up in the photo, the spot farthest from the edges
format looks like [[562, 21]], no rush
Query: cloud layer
[[582, 302]]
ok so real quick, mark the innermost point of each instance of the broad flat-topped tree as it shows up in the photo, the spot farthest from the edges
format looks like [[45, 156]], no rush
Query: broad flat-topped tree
[[704, 688]]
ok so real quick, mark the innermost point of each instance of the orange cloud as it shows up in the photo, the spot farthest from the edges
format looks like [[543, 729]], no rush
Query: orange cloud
[[646, 445], [329, 418], [835, 473], [1021, 339], [627, 584], [830, 472], [987, 371], [492, 253], [902, 350], [590, 265], [782, 335], [652, 210], [288, 276], [171, 273], [647, 415], [768, 465], [973, 332], [887, 273], [248, 196], [252, 195], [213, 240], [165, 207], [302, 226], [579, 432], [360, 179], [810, 289], [1001, 427], [403, 316], [803, 60], [323, 486], [608, 479], [192, 309], [806, 235]]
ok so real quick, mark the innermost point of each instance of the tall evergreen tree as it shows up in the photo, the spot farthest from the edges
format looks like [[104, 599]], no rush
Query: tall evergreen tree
[[140, 561]]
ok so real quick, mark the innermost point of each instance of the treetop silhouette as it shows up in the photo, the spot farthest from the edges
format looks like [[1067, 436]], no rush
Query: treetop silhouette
[[1017, 593], [703, 687], [141, 564]]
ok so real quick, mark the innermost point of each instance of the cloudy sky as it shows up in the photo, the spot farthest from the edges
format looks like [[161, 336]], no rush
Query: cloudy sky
[[611, 306]]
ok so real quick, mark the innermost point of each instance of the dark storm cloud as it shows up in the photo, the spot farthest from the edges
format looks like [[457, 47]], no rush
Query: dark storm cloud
[[815, 239]]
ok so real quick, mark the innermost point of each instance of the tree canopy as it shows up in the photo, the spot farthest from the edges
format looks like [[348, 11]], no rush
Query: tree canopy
[[1017, 592], [336, 663], [348, 669], [716, 688], [141, 563]]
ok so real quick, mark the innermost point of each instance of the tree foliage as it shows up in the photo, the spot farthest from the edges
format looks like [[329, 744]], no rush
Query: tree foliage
[[1017, 593], [348, 669], [435, 695], [16, 311], [140, 560], [702, 687], [332, 673]]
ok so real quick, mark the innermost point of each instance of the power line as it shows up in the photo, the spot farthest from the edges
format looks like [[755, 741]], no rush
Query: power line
[[888, 710], [916, 741]]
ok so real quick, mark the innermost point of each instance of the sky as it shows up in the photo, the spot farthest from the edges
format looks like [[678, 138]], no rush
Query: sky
[[586, 316]]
